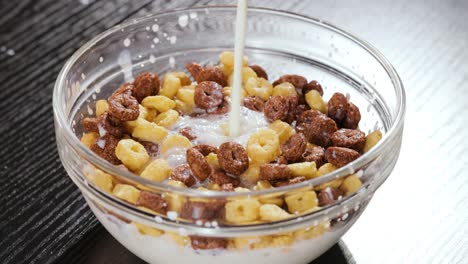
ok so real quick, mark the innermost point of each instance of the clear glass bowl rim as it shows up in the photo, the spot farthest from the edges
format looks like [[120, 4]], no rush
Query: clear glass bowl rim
[[72, 140]]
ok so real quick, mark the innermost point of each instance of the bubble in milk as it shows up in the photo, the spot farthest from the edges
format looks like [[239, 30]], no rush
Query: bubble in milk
[[193, 15], [127, 42], [152, 59], [173, 39], [172, 62], [155, 27], [183, 20]]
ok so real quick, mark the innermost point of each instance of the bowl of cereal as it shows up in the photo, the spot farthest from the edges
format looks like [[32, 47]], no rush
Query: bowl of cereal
[[141, 114]]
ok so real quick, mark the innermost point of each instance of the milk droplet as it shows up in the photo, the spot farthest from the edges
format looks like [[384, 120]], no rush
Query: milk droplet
[[152, 59], [10, 52], [84, 2], [155, 27], [2, 48], [172, 62], [125, 62], [193, 15], [183, 20], [172, 215], [90, 111], [101, 59], [165, 34], [147, 28], [83, 76], [173, 39], [127, 42], [152, 46], [156, 40]]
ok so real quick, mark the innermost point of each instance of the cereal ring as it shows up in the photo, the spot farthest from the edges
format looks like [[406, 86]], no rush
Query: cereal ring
[[206, 149], [280, 160], [293, 102], [202, 210], [294, 147], [198, 164], [90, 124], [188, 133], [208, 95], [220, 110], [306, 117], [353, 116], [220, 177], [109, 125], [298, 81], [337, 107], [275, 172], [329, 195], [259, 71], [199, 242], [339, 156], [183, 174], [254, 103], [151, 148], [318, 132], [126, 89], [349, 138], [201, 74], [233, 158], [276, 108], [123, 107], [314, 154], [289, 182], [105, 146], [313, 85], [152, 201], [145, 84]]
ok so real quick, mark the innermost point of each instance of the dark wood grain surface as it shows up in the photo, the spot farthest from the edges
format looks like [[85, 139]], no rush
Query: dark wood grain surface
[[420, 215]]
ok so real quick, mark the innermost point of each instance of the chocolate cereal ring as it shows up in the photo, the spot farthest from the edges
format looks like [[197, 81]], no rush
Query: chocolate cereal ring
[[206, 149], [199, 242], [105, 146], [123, 107], [337, 107], [318, 132], [145, 84], [188, 133], [313, 85], [184, 174], [221, 178], [276, 108], [353, 116], [298, 81], [208, 95], [314, 154], [233, 158], [198, 164], [275, 172], [349, 138], [339, 156], [202, 74], [152, 201], [254, 103], [259, 71], [294, 147]]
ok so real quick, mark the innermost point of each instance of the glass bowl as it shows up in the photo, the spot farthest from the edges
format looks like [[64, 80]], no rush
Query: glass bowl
[[283, 43]]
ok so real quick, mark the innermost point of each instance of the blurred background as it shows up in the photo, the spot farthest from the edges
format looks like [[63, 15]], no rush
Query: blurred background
[[420, 215]]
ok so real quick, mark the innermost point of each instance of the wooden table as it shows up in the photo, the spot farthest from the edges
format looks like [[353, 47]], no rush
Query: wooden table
[[420, 215]]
